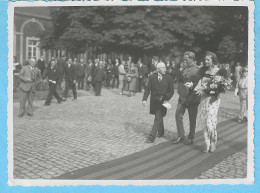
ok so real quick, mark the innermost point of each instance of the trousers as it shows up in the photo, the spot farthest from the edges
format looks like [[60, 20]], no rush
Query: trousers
[[193, 111]]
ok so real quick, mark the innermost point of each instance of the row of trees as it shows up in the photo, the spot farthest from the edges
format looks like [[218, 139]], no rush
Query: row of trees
[[151, 30]]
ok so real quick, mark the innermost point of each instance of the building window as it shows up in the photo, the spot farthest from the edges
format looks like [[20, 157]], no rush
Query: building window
[[32, 47]]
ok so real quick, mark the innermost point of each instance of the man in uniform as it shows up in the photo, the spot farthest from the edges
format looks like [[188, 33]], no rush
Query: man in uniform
[[187, 80], [161, 87], [30, 77]]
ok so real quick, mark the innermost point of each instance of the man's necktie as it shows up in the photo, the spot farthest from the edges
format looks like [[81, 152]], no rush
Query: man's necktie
[[159, 77]]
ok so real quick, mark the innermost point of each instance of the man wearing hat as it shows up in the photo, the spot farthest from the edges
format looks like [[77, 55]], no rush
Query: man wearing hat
[[30, 77], [161, 87], [187, 80]]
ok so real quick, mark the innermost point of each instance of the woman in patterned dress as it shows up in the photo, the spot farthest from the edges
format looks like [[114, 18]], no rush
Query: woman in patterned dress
[[132, 75], [209, 104], [242, 92]]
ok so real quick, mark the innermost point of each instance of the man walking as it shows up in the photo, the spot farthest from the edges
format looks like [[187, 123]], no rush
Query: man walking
[[161, 87], [187, 81], [53, 77], [70, 79], [142, 72], [30, 77]]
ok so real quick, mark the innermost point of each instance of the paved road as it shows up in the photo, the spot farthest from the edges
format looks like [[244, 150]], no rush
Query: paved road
[[76, 134]]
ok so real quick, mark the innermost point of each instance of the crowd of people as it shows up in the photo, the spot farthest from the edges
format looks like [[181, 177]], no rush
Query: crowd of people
[[157, 79]]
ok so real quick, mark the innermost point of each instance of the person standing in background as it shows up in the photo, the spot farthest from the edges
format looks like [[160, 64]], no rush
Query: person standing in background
[[142, 72], [30, 77], [98, 78], [121, 77], [108, 70], [41, 65], [81, 68], [115, 74], [70, 79], [61, 63], [89, 79]]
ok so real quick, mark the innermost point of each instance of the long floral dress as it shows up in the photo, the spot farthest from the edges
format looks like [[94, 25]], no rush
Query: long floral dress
[[243, 97], [209, 107]]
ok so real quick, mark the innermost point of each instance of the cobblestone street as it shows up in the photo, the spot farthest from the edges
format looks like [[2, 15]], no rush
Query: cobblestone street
[[76, 134]]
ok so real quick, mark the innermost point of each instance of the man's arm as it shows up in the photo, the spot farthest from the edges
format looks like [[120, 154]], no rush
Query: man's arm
[[170, 89]]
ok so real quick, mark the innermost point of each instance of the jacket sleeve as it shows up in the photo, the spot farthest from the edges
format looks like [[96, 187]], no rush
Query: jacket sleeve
[[21, 75], [170, 89], [148, 89]]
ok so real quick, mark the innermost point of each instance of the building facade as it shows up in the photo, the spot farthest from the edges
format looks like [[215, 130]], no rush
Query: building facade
[[29, 23]]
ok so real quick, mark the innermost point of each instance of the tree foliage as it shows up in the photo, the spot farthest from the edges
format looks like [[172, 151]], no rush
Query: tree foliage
[[160, 30]]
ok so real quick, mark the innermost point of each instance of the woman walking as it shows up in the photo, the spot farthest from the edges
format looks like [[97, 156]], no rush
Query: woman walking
[[209, 89]]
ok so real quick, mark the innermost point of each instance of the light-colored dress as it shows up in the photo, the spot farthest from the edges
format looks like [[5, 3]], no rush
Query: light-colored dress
[[132, 76], [209, 107], [243, 97], [122, 76]]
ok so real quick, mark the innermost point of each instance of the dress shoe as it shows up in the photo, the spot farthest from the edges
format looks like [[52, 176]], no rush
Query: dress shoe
[[149, 139], [29, 114], [179, 140], [212, 148], [64, 99], [46, 104], [206, 150], [159, 136], [74, 99], [189, 142]]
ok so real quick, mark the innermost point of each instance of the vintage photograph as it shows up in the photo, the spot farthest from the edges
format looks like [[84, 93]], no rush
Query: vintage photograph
[[131, 93]]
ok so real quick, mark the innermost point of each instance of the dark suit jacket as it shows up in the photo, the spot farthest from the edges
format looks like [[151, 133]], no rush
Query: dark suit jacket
[[70, 73], [191, 74], [61, 65], [27, 72], [163, 88], [52, 74], [41, 65], [142, 71], [98, 74], [81, 69]]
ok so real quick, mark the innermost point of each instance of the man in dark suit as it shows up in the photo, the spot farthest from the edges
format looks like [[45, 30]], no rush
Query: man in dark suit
[[41, 65], [61, 63], [115, 74], [70, 79], [142, 72], [81, 68], [30, 77], [188, 79], [161, 87], [53, 76], [98, 78]]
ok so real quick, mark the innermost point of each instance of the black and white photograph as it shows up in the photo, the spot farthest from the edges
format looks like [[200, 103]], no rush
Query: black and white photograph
[[131, 93]]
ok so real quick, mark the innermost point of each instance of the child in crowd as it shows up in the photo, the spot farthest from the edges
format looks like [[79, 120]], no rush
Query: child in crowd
[[242, 91]]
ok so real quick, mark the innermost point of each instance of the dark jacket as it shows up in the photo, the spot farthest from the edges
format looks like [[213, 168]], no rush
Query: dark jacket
[[41, 65], [164, 88], [52, 73], [70, 73], [115, 70], [61, 65], [193, 75], [81, 68], [142, 71], [98, 74]]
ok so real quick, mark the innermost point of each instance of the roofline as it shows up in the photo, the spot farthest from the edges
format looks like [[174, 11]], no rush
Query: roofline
[[32, 15]]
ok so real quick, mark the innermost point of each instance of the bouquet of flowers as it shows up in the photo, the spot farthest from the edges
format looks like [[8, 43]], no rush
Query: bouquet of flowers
[[214, 84]]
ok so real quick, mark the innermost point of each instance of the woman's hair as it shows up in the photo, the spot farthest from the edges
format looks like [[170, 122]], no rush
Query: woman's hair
[[243, 70], [213, 57], [190, 54]]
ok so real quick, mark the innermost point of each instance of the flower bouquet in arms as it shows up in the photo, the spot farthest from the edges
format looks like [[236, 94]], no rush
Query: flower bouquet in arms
[[213, 84]]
